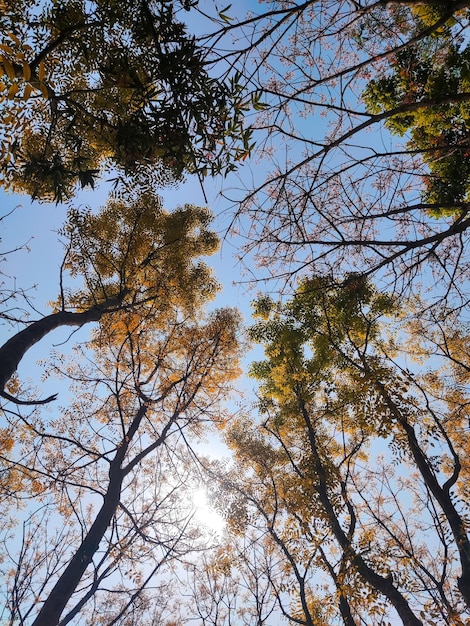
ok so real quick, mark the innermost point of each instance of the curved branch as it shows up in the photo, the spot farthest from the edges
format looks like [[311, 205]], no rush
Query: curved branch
[[17, 346]]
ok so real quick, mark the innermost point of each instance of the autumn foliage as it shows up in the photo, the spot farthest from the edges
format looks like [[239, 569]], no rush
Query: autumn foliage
[[338, 471]]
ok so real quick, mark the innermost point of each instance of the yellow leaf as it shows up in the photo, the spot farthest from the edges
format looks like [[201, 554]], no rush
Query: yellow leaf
[[13, 91], [26, 71], [41, 72], [14, 38], [6, 48], [2, 86], [44, 90], [27, 92], [8, 68]]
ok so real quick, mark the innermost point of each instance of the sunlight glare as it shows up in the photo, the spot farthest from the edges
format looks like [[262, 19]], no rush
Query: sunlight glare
[[205, 514]]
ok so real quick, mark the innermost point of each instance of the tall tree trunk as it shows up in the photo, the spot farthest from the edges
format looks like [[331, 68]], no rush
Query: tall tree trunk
[[456, 522], [382, 584], [56, 602], [53, 607]]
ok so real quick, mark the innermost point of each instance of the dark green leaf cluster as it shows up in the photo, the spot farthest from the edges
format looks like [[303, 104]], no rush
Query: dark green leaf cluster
[[426, 95], [123, 85]]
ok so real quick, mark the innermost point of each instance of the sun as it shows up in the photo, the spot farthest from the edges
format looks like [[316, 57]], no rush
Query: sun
[[205, 514]]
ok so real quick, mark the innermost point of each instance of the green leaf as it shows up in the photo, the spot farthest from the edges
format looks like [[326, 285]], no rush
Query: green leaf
[[223, 16]]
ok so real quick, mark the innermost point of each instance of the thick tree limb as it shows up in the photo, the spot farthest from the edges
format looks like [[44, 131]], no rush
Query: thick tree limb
[[16, 347]]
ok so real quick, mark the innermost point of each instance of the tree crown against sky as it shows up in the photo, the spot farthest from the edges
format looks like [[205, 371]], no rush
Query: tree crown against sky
[[351, 530], [108, 479], [340, 191], [130, 257], [93, 85], [347, 501]]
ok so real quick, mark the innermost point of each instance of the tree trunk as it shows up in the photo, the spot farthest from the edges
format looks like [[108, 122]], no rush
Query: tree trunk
[[57, 600], [53, 607], [443, 497], [382, 584]]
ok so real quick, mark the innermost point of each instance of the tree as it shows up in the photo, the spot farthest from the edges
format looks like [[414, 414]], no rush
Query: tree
[[433, 75], [131, 256], [364, 530], [340, 192], [347, 500], [110, 475], [88, 86]]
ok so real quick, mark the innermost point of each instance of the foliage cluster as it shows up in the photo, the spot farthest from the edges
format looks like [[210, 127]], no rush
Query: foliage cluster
[[430, 82], [346, 494], [87, 85]]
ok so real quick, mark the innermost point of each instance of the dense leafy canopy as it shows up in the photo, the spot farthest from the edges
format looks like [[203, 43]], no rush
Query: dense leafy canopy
[[85, 85], [337, 505], [133, 258]]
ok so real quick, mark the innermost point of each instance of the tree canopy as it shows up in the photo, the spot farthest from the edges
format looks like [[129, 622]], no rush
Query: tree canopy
[[153, 372], [340, 133], [362, 530], [132, 257], [89, 85]]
